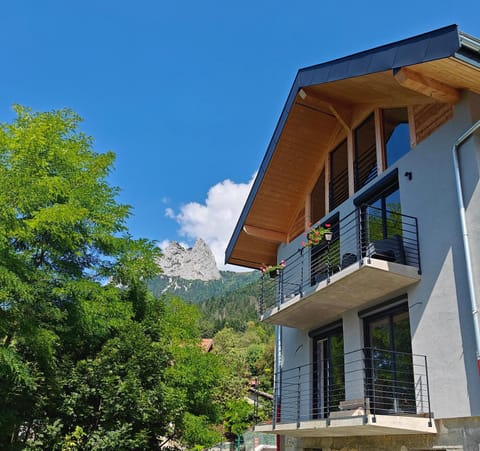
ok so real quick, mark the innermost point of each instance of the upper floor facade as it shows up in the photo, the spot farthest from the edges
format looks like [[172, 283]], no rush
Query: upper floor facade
[[363, 151]]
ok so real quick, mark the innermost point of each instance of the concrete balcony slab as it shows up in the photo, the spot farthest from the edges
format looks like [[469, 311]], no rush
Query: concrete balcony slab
[[356, 286], [365, 425]]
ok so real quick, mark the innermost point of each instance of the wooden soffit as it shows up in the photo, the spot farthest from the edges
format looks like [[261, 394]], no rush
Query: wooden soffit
[[322, 107]]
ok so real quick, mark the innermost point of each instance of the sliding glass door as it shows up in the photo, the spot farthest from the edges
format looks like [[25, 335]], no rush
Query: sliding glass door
[[329, 374], [389, 361]]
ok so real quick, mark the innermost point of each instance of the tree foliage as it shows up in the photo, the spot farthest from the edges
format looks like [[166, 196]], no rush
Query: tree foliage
[[89, 359]]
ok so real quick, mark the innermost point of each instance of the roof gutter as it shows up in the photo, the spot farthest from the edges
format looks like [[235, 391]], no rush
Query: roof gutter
[[469, 42], [466, 246]]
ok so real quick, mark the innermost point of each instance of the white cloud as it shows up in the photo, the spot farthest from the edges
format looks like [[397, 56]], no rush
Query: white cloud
[[169, 213], [215, 219], [164, 244]]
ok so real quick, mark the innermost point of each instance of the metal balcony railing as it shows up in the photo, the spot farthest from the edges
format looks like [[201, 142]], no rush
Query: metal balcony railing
[[368, 381], [367, 232]]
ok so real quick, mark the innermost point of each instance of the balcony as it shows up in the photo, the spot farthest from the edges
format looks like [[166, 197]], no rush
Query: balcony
[[373, 255], [373, 392]]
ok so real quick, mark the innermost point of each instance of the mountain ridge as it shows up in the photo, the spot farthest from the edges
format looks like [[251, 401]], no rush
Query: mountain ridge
[[195, 263]]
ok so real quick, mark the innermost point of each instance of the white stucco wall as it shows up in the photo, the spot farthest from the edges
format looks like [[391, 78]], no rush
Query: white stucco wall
[[440, 313]]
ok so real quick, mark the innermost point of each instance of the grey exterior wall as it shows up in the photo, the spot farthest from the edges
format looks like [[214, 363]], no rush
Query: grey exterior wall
[[440, 313], [453, 435]]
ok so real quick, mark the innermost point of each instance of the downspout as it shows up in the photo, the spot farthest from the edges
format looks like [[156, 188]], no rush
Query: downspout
[[466, 246], [277, 382]]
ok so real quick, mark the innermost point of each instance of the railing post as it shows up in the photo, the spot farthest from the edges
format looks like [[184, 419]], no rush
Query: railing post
[[302, 264], [366, 400], [418, 247], [255, 405], [298, 397], [358, 220], [372, 364], [262, 294], [428, 394], [367, 235], [328, 261], [280, 288], [276, 396]]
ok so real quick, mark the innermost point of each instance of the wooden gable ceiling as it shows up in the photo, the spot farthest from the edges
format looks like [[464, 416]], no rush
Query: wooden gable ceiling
[[316, 120]]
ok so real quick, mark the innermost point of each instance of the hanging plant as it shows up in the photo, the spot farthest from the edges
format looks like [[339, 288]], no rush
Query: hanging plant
[[269, 269], [316, 235]]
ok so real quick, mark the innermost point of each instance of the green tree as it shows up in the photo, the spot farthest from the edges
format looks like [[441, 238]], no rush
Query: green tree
[[89, 359], [238, 416], [62, 236]]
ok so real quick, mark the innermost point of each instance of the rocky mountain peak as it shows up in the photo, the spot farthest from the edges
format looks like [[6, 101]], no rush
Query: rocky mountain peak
[[196, 263]]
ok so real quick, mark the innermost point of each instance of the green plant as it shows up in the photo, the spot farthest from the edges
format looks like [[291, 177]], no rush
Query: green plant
[[316, 235], [267, 269]]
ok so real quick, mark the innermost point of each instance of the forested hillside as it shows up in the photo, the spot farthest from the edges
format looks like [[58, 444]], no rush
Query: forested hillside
[[232, 309], [198, 290], [228, 302]]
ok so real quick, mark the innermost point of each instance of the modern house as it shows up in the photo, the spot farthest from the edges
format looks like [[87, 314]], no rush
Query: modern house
[[365, 218]]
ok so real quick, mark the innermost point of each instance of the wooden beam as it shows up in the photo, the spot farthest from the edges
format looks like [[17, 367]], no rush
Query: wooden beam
[[412, 127], [265, 234], [380, 141], [327, 183], [427, 86], [350, 163], [342, 112], [308, 210]]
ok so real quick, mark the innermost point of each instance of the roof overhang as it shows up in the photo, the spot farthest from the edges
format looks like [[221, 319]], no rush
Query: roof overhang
[[432, 67]]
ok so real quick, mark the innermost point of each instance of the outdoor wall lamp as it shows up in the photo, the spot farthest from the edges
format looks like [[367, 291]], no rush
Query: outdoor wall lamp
[[328, 236]]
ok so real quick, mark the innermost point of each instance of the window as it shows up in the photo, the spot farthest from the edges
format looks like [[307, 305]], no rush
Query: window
[[328, 370], [338, 175], [317, 199], [384, 212], [396, 134], [381, 220], [390, 381], [325, 257], [365, 163]]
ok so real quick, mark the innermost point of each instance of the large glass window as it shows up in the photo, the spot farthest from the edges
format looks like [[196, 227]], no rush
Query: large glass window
[[396, 134], [365, 163], [325, 256], [317, 199], [384, 213], [382, 224], [329, 372], [389, 361], [338, 175]]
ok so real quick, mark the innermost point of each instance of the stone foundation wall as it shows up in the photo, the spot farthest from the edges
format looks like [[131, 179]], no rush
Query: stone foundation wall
[[459, 434]]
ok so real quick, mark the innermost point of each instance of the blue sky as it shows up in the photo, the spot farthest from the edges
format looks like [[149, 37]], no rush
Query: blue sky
[[187, 93]]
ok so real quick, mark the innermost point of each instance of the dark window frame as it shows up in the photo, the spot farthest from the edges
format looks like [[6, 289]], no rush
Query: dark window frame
[[388, 361], [359, 160], [322, 337], [338, 181]]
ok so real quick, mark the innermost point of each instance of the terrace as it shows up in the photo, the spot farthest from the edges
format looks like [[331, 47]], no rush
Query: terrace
[[370, 254], [371, 392]]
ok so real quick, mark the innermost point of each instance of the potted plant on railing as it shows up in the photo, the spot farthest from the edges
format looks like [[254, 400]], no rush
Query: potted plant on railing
[[272, 270], [317, 235]]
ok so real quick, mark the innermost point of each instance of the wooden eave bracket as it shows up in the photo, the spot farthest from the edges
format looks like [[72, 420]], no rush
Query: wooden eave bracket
[[342, 113], [427, 86], [265, 234]]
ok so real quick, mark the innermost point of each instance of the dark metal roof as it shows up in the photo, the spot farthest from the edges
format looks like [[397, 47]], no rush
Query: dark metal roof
[[437, 44]]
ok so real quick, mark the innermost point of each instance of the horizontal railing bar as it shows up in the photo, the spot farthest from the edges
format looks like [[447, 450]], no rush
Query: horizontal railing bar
[[303, 393]]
